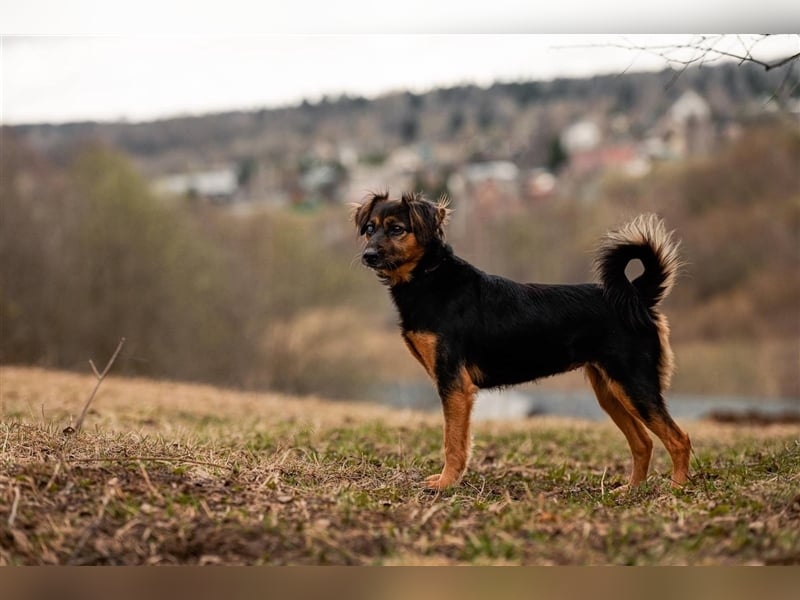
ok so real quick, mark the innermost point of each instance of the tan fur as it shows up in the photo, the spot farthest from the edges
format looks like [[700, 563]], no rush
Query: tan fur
[[640, 443], [475, 374], [457, 406], [666, 364], [649, 229], [410, 252], [675, 440], [422, 346]]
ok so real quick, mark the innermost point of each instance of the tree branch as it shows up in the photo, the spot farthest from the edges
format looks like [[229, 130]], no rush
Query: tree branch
[[704, 48]]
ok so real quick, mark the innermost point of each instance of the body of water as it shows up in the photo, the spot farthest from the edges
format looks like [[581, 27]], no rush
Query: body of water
[[522, 403]]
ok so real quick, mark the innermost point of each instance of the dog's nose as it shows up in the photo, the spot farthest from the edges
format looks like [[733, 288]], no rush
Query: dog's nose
[[370, 257]]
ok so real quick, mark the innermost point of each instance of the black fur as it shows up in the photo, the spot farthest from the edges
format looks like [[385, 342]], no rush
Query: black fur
[[504, 332]]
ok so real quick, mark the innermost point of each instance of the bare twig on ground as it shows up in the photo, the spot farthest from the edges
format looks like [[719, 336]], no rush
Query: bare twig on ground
[[100, 377], [15, 504], [150, 459]]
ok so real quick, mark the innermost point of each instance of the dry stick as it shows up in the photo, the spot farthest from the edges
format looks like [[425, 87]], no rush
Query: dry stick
[[100, 377], [153, 491], [12, 517], [171, 459]]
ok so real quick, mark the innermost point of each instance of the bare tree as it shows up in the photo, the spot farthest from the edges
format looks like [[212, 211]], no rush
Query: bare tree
[[755, 49], [772, 52], [704, 49]]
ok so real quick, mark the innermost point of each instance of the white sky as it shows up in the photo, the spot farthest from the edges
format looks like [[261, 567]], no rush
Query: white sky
[[152, 66]]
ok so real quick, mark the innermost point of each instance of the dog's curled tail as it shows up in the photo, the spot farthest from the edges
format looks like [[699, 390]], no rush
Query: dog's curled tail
[[645, 238]]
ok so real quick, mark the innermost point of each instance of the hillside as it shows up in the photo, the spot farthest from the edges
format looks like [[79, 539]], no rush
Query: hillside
[[167, 473]]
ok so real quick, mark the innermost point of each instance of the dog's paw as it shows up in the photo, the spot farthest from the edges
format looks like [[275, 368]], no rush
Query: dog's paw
[[435, 482], [439, 482]]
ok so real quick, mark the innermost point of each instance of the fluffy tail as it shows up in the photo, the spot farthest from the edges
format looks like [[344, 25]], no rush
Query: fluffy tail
[[646, 239]]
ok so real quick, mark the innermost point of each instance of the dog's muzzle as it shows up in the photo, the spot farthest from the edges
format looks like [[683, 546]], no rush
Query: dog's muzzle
[[372, 258]]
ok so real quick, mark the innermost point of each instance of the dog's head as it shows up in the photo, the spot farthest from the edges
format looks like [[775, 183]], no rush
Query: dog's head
[[398, 233]]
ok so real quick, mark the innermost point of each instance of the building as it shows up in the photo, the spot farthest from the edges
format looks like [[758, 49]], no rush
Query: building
[[220, 185]]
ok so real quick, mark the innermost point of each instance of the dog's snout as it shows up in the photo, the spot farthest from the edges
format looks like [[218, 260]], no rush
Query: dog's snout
[[371, 257]]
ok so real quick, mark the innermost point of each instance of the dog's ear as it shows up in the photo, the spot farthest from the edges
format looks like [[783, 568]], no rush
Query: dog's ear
[[427, 219], [362, 212], [443, 211]]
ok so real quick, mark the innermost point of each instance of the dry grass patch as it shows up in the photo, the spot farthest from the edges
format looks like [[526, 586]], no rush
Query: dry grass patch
[[179, 474]]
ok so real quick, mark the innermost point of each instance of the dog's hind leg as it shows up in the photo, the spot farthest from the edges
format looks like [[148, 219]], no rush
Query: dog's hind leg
[[677, 443], [457, 400], [638, 439], [642, 398]]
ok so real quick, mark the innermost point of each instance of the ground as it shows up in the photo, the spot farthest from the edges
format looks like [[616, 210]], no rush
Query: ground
[[167, 473]]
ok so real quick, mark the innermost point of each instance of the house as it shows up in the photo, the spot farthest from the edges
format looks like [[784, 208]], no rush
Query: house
[[484, 190], [622, 158], [686, 129], [321, 183], [582, 136], [690, 105], [219, 185], [539, 184]]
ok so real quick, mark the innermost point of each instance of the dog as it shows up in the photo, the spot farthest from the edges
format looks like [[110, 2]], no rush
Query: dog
[[470, 330]]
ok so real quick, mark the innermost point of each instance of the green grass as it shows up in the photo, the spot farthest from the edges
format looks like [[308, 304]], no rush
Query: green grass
[[284, 489]]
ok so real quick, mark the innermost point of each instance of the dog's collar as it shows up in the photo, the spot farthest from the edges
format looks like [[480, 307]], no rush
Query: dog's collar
[[439, 257], [431, 269]]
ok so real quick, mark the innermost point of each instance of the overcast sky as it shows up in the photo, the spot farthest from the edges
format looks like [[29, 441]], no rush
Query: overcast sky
[[227, 65]]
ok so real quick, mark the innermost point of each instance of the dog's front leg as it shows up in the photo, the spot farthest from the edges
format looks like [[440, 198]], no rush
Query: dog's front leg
[[457, 397]]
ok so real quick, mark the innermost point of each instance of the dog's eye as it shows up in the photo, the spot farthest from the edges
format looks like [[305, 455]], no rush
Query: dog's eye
[[396, 230], [369, 229]]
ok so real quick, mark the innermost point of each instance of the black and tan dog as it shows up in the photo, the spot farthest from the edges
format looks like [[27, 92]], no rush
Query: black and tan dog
[[471, 330]]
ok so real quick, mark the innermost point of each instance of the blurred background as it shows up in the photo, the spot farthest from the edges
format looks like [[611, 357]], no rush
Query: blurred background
[[192, 196]]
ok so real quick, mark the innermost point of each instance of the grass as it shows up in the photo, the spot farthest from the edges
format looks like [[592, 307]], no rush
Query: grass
[[168, 473]]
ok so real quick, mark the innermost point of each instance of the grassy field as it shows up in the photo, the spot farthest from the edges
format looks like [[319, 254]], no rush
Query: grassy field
[[166, 473]]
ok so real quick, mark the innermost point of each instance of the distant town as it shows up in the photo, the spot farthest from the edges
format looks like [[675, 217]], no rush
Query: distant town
[[490, 149]]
